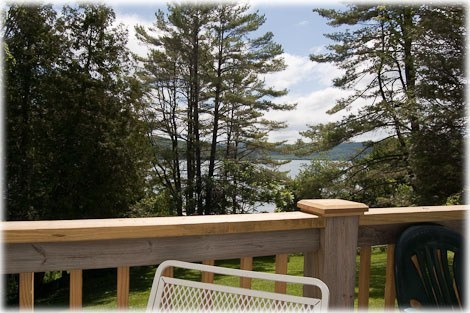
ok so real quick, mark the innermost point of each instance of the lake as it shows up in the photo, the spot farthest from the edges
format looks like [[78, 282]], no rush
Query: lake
[[293, 167]]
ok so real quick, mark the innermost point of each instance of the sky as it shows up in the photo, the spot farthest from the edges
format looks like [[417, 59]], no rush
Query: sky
[[300, 32]]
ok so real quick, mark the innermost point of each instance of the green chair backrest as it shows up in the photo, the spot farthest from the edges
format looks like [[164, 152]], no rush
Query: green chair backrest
[[429, 268]]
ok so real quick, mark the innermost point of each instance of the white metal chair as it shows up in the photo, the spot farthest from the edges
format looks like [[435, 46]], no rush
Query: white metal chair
[[178, 295]]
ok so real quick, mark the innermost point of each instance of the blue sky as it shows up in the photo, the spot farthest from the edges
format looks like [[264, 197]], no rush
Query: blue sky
[[296, 27], [300, 32]]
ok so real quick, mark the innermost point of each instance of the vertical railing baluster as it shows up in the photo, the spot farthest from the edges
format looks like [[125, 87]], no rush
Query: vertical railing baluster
[[389, 296], [207, 277], [281, 268], [364, 277], [246, 263], [76, 289], [26, 285], [168, 272], [123, 287]]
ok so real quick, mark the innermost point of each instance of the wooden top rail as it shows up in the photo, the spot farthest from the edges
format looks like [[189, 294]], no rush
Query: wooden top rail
[[384, 216], [155, 227]]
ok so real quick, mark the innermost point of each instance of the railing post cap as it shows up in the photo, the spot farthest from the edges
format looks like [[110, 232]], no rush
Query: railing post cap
[[332, 207]]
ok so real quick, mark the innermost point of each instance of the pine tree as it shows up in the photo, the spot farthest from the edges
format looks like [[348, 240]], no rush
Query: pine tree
[[205, 55], [389, 61]]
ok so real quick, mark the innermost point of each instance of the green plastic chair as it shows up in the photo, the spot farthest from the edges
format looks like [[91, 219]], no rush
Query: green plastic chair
[[429, 268]]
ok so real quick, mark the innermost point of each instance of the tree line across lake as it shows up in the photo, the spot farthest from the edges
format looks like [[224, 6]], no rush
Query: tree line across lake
[[95, 131]]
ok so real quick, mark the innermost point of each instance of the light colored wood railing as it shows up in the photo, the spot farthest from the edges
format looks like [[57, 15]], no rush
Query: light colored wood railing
[[327, 232]]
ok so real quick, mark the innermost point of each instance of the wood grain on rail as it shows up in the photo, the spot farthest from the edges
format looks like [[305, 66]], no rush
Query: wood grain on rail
[[154, 227], [420, 214]]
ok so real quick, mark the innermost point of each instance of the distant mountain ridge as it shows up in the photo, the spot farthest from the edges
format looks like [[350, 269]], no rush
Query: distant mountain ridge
[[340, 152]]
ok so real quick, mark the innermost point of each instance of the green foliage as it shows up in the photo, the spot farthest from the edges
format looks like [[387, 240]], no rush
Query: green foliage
[[394, 63], [283, 198], [321, 180], [455, 199], [75, 145], [205, 98], [27, 72], [373, 179], [151, 206]]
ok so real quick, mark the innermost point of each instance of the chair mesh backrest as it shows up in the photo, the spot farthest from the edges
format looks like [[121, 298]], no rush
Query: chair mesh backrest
[[428, 268], [178, 295]]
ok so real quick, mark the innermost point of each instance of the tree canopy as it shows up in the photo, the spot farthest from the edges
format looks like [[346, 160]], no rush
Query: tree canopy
[[75, 145], [206, 97], [404, 66]]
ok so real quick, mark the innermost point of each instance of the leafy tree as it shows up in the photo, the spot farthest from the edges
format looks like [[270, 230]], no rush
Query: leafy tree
[[75, 144], [102, 142], [439, 151], [34, 48], [394, 62], [204, 90]]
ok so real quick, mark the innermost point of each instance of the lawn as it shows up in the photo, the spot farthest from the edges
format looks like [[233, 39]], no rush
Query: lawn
[[99, 291]]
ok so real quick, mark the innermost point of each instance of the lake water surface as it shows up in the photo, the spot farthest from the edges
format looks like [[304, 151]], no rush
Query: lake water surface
[[293, 167]]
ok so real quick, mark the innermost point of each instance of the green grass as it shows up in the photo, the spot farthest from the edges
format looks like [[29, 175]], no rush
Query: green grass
[[99, 290]]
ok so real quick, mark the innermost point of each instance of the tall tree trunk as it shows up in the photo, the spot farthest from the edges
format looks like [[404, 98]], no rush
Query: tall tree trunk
[[215, 128], [196, 124], [190, 205], [176, 157]]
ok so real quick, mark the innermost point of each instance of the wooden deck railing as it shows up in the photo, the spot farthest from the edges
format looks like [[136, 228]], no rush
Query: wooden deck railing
[[327, 232]]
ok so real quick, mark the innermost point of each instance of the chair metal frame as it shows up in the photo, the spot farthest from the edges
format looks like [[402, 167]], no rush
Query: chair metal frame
[[161, 282]]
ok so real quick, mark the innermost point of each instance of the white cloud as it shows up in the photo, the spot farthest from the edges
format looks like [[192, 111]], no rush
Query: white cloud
[[311, 109], [298, 69], [318, 49], [130, 21], [309, 84], [301, 73]]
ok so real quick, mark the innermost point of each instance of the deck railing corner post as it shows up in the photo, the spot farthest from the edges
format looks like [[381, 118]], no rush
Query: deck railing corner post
[[335, 260]]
